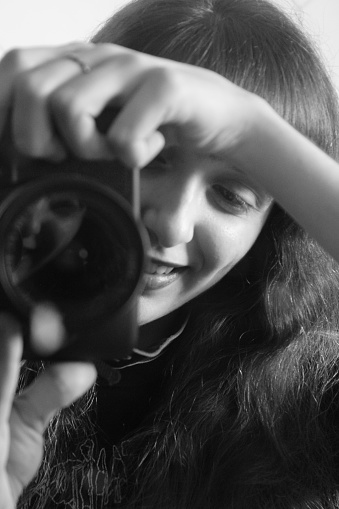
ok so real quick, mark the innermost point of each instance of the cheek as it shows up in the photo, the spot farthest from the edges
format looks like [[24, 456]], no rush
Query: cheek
[[223, 246]]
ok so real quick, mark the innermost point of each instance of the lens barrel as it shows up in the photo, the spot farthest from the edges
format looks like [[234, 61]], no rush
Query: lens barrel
[[69, 240]]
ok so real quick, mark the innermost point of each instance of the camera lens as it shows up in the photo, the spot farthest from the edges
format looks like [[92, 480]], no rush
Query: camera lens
[[62, 250], [70, 242]]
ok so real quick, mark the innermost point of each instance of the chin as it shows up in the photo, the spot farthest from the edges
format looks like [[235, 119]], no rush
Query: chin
[[150, 309]]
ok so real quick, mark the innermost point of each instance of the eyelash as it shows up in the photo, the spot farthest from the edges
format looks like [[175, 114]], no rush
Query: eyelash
[[231, 201], [226, 199]]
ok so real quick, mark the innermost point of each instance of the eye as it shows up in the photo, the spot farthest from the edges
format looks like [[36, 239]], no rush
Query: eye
[[230, 201]]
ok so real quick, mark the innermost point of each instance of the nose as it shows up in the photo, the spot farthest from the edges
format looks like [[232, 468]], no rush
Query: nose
[[170, 211]]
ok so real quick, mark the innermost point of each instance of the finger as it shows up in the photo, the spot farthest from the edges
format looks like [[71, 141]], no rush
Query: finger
[[77, 103], [33, 131], [10, 356], [17, 61], [135, 136], [176, 97], [47, 331], [59, 386]]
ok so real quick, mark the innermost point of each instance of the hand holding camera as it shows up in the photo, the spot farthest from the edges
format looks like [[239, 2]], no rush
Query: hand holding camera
[[71, 241]]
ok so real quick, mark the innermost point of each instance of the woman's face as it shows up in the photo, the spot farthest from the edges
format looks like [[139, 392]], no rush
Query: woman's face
[[203, 215]]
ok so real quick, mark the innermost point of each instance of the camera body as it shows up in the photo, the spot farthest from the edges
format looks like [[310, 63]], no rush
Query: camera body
[[70, 239]]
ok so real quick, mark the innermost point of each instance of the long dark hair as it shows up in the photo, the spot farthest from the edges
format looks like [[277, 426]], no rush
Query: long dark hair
[[248, 418]]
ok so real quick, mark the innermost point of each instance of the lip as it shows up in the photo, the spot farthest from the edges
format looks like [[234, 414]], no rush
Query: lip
[[167, 274]]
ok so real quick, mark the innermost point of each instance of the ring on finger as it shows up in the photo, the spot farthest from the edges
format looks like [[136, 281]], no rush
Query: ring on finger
[[85, 68]]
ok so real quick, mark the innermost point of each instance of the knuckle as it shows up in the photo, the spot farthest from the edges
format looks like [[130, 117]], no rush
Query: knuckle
[[127, 59], [64, 105], [28, 86], [119, 61], [105, 49], [77, 45], [115, 52], [15, 59], [121, 138], [163, 79], [160, 74], [69, 114]]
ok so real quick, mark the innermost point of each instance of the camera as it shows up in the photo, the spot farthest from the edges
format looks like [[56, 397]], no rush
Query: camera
[[70, 238]]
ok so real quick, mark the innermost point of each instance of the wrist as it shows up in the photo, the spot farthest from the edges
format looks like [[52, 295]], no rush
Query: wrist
[[263, 150], [249, 142]]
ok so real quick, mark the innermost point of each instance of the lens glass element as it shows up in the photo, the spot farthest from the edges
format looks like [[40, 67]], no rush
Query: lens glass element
[[74, 249]]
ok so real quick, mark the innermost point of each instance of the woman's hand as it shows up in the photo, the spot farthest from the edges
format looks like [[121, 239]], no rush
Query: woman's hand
[[23, 418], [54, 104]]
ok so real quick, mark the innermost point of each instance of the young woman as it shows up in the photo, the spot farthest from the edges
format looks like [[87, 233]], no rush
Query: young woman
[[230, 399]]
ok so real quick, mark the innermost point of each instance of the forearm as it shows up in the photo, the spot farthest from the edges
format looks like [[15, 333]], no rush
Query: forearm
[[301, 178]]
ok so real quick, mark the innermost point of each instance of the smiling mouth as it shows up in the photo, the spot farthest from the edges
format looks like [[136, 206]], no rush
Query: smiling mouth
[[158, 275]]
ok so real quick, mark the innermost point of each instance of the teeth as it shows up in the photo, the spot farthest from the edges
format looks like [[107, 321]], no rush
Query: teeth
[[159, 269]]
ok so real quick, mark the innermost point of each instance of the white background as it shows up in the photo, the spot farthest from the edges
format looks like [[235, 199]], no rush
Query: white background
[[34, 22]]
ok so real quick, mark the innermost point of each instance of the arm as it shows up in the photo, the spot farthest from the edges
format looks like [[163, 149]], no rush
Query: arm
[[301, 177], [210, 114]]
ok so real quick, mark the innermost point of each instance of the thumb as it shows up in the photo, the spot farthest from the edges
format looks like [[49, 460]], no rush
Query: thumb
[[57, 387]]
